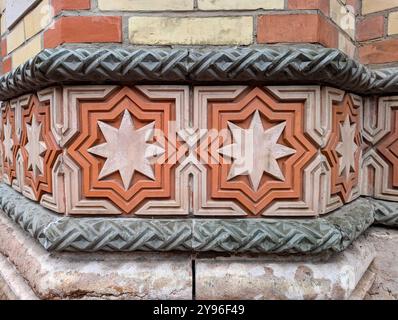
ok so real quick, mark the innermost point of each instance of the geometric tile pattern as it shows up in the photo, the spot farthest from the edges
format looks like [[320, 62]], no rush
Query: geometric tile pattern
[[380, 159], [204, 151]]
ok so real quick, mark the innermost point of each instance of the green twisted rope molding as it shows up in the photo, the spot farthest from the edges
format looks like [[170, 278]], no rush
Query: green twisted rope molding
[[386, 213], [300, 64], [335, 232]]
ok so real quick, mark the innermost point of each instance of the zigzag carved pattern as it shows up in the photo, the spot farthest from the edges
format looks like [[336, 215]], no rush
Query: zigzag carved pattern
[[278, 63], [334, 232], [386, 213]]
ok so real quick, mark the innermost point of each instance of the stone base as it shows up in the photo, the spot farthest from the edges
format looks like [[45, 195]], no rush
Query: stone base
[[385, 268], [27, 271], [305, 277]]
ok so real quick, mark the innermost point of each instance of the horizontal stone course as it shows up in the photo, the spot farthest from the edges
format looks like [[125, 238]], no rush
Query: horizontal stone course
[[146, 5], [332, 233], [191, 31], [282, 64], [275, 278], [239, 4]]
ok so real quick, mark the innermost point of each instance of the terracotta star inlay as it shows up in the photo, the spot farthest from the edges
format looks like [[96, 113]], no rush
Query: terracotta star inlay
[[35, 147], [347, 147], [127, 150], [8, 141], [256, 151]]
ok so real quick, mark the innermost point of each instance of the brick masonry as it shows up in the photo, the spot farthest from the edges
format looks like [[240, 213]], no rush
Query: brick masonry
[[54, 23]]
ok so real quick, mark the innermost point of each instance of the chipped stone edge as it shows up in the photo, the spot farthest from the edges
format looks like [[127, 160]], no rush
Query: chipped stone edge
[[293, 64], [386, 213], [334, 232]]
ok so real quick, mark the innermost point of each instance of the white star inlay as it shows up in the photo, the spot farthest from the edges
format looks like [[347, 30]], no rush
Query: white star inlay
[[256, 151], [126, 150], [347, 147], [8, 141], [35, 147]]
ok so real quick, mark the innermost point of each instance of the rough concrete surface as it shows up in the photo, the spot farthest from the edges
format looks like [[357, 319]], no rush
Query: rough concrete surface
[[385, 266]]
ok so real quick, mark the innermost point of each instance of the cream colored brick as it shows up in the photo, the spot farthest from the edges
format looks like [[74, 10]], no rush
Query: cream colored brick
[[344, 18], [191, 31], [346, 45], [38, 19], [240, 4], [393, 23], [29, 50], [369, 6], [16, 37], [145, 5], [2, 5], [3, 27]]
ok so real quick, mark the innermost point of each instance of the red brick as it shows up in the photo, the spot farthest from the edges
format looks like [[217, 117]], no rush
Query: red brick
[[61, 5], [3, 47], [297, 28], [384, 51], [355, 4], [7, 66], [84, 29], [322, 5], [370, 28]]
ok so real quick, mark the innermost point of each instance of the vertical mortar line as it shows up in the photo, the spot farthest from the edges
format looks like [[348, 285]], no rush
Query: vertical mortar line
[[193, 277], [190, 176], [255, 23], [94, 5], [195, 5], [125, 30]]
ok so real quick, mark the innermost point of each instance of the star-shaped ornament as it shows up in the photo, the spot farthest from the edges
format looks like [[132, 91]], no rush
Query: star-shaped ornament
[[127, 150], [256, 150]]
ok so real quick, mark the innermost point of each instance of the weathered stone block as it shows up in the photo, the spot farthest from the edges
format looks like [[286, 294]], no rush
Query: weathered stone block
[[102, 275], [240, 5], [278, 278], [146, 5], [191, 31]]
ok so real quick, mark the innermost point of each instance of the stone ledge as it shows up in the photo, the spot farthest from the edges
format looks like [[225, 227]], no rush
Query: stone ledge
[[12, 285], [334, 232], [299, 64], [90, 276], [266, 279], [386, 213]]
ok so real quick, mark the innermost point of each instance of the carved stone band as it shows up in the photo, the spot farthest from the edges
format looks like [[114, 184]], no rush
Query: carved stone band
[[57, 233], [267, 65]]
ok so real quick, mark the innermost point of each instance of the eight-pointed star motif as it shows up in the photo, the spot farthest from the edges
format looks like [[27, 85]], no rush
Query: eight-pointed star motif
[[126, 149], [256, 151], [8, 141], [347, 147], [35, 147]]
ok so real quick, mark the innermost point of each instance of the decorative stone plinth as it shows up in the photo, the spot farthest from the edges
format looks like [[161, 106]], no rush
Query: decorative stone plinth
[[28, 271], [193, 153], [320, 277]]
